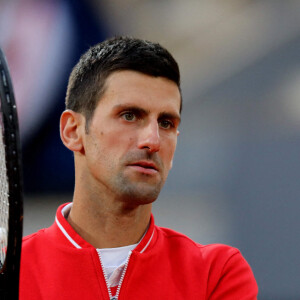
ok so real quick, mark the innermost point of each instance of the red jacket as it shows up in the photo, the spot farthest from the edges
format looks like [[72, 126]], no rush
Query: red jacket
[[58, 264]]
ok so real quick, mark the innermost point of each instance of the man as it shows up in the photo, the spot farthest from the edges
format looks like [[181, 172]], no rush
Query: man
[[123, 111]]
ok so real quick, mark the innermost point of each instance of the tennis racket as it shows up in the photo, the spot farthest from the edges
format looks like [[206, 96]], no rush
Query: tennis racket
[[11, 193]]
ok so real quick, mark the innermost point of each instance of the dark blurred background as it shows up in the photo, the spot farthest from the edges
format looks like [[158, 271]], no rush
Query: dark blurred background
[[236, 174]]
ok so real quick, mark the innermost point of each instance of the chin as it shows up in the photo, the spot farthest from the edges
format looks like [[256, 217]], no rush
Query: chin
[[140, 196], [140, 192]]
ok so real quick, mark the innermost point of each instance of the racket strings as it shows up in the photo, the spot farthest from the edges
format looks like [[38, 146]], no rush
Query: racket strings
[[4, 201]]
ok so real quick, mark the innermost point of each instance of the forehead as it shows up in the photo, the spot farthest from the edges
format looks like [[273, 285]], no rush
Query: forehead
[[135, 88]]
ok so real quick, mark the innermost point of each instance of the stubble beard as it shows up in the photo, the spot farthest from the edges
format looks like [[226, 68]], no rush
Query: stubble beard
[[137, 192]]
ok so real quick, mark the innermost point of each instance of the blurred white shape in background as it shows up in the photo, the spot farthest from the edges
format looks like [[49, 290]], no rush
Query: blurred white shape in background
[[36, 38]]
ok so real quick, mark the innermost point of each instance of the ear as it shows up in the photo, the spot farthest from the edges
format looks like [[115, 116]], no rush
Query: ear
[[71, 130]]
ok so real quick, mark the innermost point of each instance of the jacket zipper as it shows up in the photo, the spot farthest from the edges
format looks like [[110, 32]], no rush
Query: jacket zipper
[[122, 277], [111, 297]]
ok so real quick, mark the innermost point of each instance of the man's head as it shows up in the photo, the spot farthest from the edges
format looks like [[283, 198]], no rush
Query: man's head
[[88, 78], [122, 118]]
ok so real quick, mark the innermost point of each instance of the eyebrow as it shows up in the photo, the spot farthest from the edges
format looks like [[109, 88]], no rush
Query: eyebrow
[[167, 115], [130, 107], [137, 109]]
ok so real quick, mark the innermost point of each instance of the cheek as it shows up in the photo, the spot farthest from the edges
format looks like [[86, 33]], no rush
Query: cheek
[[100, 158], [115, 144]]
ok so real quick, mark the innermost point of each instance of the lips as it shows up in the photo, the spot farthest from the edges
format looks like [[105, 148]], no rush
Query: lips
[[144, 167], [145, 164]]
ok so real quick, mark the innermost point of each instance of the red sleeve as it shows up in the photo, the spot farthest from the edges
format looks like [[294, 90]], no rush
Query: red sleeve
[[236, 282]]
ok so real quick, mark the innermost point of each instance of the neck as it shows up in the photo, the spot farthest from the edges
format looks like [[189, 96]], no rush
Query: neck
[[104, 224]]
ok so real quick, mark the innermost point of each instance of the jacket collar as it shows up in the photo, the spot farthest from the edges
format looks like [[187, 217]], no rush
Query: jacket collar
[[73, 239]]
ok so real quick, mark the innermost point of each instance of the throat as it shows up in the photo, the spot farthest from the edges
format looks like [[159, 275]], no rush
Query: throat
[[108, 230]]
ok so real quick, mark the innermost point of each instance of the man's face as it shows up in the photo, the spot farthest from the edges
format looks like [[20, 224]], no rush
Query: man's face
[[132, 136]]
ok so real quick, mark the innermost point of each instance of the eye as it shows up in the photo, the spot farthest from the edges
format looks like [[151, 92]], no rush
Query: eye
[[128, 116], [166, 124]]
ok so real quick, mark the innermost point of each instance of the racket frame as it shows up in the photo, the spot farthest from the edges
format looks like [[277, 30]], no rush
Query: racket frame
[[9, 273]]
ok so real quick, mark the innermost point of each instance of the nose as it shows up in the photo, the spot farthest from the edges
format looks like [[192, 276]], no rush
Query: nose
[[149, 137]]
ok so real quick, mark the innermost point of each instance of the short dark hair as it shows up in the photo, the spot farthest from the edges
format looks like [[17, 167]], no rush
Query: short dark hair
[[87, 80]]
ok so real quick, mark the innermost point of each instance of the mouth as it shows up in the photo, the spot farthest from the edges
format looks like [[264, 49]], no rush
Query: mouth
[[144, 167]]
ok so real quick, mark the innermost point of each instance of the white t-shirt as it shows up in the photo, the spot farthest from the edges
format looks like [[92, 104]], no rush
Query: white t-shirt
[[113, 261]]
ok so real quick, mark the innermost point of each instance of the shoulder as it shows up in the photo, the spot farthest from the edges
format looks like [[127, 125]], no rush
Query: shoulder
[[31, 238], [207, 251], [38, 242], [226, 270], [32, 244]]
